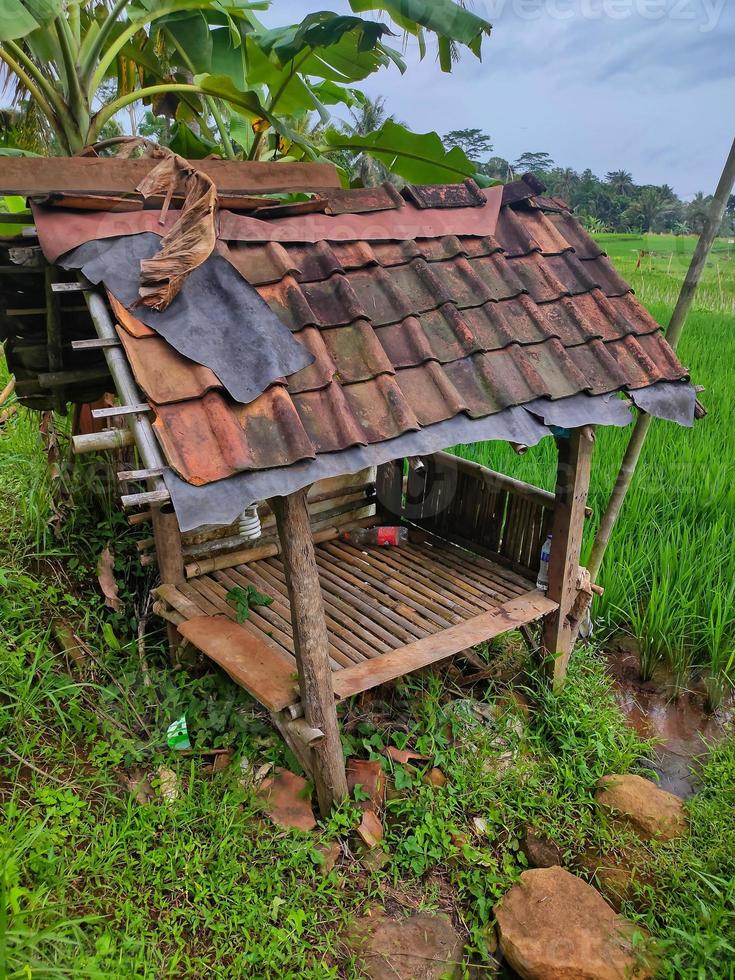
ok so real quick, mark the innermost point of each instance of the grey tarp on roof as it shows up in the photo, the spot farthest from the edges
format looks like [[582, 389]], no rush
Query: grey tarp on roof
[[221, 502], [218, 319]]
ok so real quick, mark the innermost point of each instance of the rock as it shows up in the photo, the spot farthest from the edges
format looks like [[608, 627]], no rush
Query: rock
[[649, 811], [554, 926], [420, 947], [540, 851]]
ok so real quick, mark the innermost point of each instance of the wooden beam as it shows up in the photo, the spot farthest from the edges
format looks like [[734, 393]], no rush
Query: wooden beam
[[53, 337], [170, 561], [430, 649], [108, 413], [41, 175], [95, 343], [572, 487], [311, 643]]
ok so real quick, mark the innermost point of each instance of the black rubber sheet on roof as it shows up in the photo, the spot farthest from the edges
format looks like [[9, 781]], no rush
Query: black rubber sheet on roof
[[218, 319]]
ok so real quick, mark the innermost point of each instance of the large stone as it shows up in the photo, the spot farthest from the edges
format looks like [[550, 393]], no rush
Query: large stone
[[650, 811], [554, 926], [420, 947]]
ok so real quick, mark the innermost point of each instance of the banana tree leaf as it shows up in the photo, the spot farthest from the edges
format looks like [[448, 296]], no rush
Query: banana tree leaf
[[321, 30], [194, 38], [241, 130], [445, 17], [16, 21], [330, 93], [12, 204], [230, 60], [187, 144], [344, 61], [418, 157]]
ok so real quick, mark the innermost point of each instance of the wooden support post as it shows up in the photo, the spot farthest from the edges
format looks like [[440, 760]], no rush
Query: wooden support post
[[311, 643], [53, 334], [572, 486], [170, 563]]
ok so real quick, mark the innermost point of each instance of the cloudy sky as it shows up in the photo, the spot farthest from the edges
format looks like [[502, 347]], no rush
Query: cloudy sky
[[644, 85]]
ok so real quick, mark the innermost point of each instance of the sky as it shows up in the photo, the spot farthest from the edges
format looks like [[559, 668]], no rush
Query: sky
[[642, 85]]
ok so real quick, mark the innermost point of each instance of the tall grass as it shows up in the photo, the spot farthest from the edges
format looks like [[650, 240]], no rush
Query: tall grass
[[669, 573]]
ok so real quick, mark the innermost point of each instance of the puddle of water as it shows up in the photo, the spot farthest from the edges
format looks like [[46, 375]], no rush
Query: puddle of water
[[683, 727]]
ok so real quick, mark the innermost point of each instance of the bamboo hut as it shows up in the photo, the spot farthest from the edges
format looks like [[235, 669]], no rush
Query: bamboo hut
[[291, 369]]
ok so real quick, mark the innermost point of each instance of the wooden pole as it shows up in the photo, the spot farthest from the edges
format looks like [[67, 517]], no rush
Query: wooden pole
[[673, 335], [311, 645], [572, 486], [170, 561], [53, 334]]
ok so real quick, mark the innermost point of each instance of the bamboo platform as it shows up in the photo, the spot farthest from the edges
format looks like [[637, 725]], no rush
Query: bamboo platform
[[389, 611]]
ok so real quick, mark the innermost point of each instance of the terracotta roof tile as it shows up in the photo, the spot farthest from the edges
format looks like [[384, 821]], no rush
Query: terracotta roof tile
[[406, 334]]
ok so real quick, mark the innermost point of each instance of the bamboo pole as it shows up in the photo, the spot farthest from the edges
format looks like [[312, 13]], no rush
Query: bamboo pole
[[673, 335]]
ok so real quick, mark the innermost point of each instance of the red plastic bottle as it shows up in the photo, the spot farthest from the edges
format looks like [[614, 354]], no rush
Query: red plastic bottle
[[384, 537]]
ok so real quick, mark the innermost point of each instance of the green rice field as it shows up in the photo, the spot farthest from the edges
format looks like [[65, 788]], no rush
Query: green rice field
[[669, 573]]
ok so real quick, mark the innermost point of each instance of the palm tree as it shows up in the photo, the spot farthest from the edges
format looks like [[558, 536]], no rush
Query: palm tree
[[367, 118], [651, 207], [621, 181], [563, 181], [698, 212]]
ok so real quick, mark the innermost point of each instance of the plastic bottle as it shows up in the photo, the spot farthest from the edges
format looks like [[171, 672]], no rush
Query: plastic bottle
[[542, 580], [385, 537]]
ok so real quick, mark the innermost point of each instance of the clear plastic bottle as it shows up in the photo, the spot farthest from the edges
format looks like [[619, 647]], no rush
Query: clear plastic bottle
[[542, 579], [384, 537]]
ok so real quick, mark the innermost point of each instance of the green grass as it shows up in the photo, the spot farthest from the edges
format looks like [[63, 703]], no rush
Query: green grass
[[669, 573], [95, 884]]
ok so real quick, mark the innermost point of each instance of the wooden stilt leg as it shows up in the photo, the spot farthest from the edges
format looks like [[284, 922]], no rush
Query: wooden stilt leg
[[170, 563], [572, 486], [311, 645]]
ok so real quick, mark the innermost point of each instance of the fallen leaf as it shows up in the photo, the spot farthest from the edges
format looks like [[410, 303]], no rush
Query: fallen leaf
[[370, 829], [435, 777], [286, 802], [168, 784], [106, 578], [222, 760], [261, 772], [139, 785], [404, 755], [481, 826], [330, 853], [368, 774]]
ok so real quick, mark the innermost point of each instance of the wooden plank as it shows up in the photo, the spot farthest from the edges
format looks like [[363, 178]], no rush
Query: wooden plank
[[572, 486], [95, 343], [42, 175], [257, 665], [454, 639], [107, 413]]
